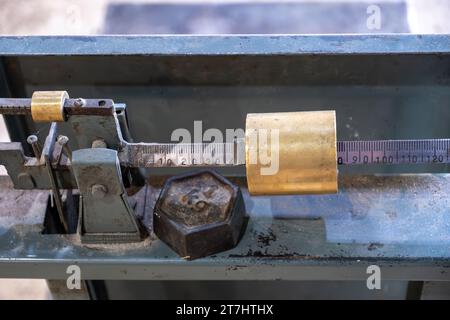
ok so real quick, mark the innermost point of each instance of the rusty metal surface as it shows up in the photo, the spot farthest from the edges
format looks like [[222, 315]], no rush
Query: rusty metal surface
[[15, 106], [93, 107], [400, 223]]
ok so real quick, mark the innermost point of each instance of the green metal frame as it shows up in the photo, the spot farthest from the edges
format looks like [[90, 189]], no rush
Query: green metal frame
[[382, 86]]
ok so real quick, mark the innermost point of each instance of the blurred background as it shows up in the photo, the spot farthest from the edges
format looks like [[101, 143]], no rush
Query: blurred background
[[69, 17], [88, 17]]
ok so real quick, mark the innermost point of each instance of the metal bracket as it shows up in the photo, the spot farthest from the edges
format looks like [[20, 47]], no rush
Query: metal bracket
[[105, 214]]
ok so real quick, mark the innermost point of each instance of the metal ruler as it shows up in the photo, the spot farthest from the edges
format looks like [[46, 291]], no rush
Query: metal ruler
[[382, 152], [184, 154]]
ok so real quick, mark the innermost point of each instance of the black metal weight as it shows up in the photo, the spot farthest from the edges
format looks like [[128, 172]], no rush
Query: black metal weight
[[199, 214]]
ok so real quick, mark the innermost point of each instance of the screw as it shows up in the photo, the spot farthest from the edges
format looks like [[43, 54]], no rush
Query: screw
[[63, 140], [34, 142], [79, 102], [99, 143], [98, 191]]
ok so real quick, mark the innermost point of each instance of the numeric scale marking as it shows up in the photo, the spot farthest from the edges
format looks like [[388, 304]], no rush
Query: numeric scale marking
[[426, 151], [184, 154]]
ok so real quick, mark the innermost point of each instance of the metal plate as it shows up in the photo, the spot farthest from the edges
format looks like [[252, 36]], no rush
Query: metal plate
[[399, 223]]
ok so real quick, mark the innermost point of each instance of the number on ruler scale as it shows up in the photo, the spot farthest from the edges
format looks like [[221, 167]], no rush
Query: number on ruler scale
[[429, 151]]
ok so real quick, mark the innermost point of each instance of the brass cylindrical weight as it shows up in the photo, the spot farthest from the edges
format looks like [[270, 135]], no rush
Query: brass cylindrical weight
[[48, 106], [291, 152]]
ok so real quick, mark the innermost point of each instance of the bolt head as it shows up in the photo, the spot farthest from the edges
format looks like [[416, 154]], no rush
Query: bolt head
[[32, 139], [99, 144], [79, 102], [63, 139], [98, 191]]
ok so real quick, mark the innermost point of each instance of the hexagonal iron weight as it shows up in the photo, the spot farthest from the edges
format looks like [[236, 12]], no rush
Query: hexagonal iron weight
[[199, 214]]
